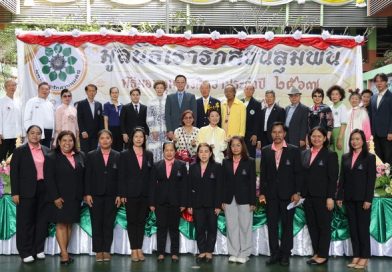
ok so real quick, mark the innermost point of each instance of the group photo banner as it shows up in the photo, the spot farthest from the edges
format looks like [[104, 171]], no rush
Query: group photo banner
[[279, 65]]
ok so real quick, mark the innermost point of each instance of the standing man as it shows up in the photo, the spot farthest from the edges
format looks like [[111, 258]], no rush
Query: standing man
[[204, 104], [133, 115], [90, 119], [10, 120], [40, 111], [382, 119], [269, 115], [176, 104], [233, 113], [253, 109], [281, 183], [296, 120]]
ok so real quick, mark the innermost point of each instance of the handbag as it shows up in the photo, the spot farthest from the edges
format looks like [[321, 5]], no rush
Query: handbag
[[184, 154]]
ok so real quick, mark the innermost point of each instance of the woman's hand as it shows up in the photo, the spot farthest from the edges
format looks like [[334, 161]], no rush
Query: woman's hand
[[262, 199], [190, 210], [193, 143], [182, 209], [152, 208], [252, 208], [217, 211], [155, 135], [117, 202], [88, 199], [366, 205], [59, 203], [339, 203], [330, 204], [339, 144], [224, 206], [15, 199]]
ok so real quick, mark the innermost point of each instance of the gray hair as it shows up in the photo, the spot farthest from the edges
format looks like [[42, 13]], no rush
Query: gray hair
[[8, 81], [270, 92]]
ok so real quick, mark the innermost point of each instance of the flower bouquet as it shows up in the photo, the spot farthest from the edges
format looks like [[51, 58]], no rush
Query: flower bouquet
[[383, 185], [5, 184]]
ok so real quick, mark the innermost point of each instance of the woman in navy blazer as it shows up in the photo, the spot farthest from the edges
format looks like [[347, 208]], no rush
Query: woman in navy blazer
[[239, 199], [100, 193], [168, 197], [64, 174], [356, 189], [136, 165], [320, 169], [28, 193], [204, 190]]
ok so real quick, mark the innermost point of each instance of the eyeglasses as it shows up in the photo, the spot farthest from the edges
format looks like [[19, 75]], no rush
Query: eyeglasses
[[67, 95], [317, 96]]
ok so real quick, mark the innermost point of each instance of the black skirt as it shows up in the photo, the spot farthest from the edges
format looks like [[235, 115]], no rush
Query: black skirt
[[68, 214]]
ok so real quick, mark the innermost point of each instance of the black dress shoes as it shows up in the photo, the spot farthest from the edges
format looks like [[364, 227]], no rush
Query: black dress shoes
[[272, 260], [285, 261]]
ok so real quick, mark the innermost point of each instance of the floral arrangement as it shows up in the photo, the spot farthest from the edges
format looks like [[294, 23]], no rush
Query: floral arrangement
[[383, 186], [5, 177]]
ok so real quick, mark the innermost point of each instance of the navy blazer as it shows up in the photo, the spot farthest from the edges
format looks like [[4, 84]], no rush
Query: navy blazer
[[253, 111], [173, 112], [101, 179], [285, 181], [277, 114], [23, 172], [135, 182], [202, 117], [382, 116], [206, 190], [129, 119], [86, 122], [241, 184], [320, 177], [169, 191], [62, 179], [357, 183]]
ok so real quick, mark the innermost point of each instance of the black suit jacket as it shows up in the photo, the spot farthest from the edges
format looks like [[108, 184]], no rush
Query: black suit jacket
[[135, 182], [129, 119], [86, 122], [242, 184], [23, 172], [101, 179], [172, 190], [253, 111], [320, 177], [62, 179], [285, 181], [206, 190], [298, 126], [382, 116], [202, 117], [357, 183], [277, 114]]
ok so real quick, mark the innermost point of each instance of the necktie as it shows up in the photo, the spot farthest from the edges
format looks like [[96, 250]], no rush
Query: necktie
[[180, 99], [137, 112], [205, 105]]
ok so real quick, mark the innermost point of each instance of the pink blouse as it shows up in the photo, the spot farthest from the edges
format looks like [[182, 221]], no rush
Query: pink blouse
[[139, 156], [105, 156], [70, 158], [278, 153], [236, 162], [66, 119], [314, 153], [39, 159], [169, 166], [354, 158]]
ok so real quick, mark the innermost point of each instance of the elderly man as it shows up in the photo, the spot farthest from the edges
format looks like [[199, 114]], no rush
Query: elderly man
[[10, 120], [233, 113], [204, 104], [176, 104], [253, 109], [40, 111]]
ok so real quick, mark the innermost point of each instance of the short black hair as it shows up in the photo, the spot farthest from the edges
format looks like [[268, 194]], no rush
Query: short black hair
[[43, 84], [177, 76], [135, 90], [60, 137], [134, 131], [33, 126], [367, 91], [336, 88], [276, 124], [63, 91], [365, 148], [382, 76], [322, 131], [168, 143], [319, 91], [212, 158], [92, 86], [102, 131], [112, 88]]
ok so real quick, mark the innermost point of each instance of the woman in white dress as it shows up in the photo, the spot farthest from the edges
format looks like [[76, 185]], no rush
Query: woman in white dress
[[214, 135], [156, 120]]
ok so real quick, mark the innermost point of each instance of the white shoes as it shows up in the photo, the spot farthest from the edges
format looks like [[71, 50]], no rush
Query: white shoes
[[29, 259], [242, 260], [232, 259], [41, 256]]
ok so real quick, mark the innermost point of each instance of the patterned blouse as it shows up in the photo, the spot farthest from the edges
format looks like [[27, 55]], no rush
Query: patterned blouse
[[320, 116], [184, 140]]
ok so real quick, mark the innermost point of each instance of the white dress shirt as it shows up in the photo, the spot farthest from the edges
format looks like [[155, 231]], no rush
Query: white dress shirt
[[40, 112], [92, 107], [379, 97], [10, 118], [267, 114]]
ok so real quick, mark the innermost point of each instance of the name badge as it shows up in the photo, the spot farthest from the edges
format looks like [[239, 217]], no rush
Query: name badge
[[252, 112]]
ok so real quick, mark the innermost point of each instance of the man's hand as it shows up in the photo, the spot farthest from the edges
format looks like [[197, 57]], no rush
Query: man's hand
[[302, 143], [15, 199], [170, 135], [366, 205], [295, 198], [253, 140], [59, 203], [262, 199], [389, 137], [125, 138], [84, 135], [330, 204], [88, 199], [117, 202], [339, 203]]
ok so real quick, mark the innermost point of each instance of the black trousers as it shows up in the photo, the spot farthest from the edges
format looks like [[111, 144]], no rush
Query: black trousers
[[7, 147], [89, 144], [206, 228], [251, 148], [168, 219], [32, 223], [48, 137], [319, 224], [277, 211], [118, 143], [136, 209], [359, 222], [383, 149], [103, 214]]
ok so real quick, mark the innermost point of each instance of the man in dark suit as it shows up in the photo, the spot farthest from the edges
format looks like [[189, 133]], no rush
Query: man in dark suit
[[133, 115], [381, 119], [176, 104], [253, 109], [296, 120], [90, 119], [281, 184], [204, 104], [269, 115]]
